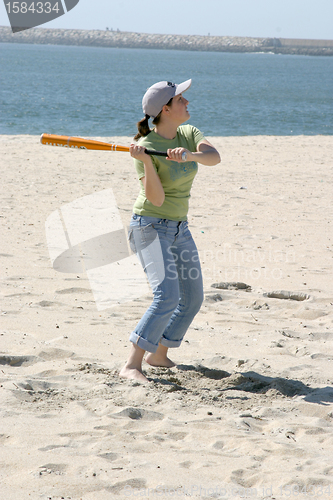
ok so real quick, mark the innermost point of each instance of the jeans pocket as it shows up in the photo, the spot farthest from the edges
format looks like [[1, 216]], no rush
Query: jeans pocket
[[140, 237], [186, 231], [148, 234]]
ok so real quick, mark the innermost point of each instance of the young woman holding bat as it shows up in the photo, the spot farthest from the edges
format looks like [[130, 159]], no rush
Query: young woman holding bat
[[159, 232]]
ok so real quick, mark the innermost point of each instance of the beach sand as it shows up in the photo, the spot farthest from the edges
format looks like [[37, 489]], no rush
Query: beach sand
[[248, 410]]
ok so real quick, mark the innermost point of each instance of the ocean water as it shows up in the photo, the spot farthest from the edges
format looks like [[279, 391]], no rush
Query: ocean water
[[87, 91]]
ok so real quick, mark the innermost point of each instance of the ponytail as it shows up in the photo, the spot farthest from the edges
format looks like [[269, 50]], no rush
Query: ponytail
[[143, 128], [143, 125]]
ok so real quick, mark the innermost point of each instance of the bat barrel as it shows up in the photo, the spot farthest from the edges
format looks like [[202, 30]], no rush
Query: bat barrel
[[79, 143], [66, 141]]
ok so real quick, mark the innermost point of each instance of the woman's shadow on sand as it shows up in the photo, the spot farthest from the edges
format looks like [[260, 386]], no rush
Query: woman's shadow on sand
[[194, 377]]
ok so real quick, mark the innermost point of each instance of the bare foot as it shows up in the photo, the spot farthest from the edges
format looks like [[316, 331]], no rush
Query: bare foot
[[154, 360], [133, 374], [133, 368], [160, 358]]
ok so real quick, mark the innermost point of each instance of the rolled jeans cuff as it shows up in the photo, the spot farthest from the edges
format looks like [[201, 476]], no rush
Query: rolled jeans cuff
[[170, 343], [142, 343]]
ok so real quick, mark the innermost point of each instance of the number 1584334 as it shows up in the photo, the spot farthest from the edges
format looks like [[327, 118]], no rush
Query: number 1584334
[[32, 7]]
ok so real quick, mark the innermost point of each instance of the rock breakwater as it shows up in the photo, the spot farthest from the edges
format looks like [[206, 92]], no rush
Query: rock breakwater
[[120, 39]]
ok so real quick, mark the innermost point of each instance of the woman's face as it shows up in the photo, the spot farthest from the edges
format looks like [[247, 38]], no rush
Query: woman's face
[[178, 110]]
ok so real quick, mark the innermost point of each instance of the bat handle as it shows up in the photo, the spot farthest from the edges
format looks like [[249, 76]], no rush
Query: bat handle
[[155, 153], [160, 153]]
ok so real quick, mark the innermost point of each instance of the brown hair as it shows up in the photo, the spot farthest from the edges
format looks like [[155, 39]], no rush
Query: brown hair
[[143, 125]]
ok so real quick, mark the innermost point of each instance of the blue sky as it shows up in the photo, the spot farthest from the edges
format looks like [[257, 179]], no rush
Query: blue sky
[[254, 18]]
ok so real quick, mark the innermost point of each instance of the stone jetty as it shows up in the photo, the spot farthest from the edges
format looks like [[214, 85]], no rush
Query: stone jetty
[[121, 39]]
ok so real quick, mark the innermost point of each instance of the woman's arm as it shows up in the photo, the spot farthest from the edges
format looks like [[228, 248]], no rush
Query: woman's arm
[[151, 181], [205, 154]]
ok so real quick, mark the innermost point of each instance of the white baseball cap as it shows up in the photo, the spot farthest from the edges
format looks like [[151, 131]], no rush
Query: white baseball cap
[[160, 94]]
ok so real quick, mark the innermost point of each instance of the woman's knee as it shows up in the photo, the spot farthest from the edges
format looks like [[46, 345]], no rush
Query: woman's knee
[[194, 304], [166, 302]]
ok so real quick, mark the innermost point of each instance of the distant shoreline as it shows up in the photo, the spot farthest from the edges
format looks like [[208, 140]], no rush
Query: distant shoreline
[[121, 39]]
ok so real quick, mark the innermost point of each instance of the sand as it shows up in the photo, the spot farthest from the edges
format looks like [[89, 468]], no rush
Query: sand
[[248, 410]]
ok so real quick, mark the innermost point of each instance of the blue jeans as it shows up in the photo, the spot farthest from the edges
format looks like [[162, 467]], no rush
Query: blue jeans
[[170, 259]]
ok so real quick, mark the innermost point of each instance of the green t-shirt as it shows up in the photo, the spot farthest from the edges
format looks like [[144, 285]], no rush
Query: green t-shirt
[[176, 178]]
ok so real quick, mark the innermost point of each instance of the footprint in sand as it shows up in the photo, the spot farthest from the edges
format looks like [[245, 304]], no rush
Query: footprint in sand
[[53, 447], [54, 353], [58, 469], [73, 290], [48, 303], [18, 360], [110, 457], [46, 355], [135, 484]]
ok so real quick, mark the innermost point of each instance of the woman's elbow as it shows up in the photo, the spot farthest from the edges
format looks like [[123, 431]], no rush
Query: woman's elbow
[[157, 202], [217, 158]]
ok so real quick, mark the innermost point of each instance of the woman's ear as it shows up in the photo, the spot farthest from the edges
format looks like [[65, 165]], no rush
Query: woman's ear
[[166, 108]]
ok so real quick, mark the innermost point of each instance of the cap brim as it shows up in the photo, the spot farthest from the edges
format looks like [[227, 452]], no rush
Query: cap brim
[[182, 87]]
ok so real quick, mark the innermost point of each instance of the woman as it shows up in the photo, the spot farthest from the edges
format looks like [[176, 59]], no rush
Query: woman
[[159, 231]]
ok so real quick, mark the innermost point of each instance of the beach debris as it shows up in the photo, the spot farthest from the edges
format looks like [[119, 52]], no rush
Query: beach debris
[[290, 435], [288, 334], [138, 414], [285, 295], [232, 285], [276, 344], [257, 306]]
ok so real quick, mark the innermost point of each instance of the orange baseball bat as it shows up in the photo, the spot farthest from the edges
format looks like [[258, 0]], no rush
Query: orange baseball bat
[[79, 143]]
